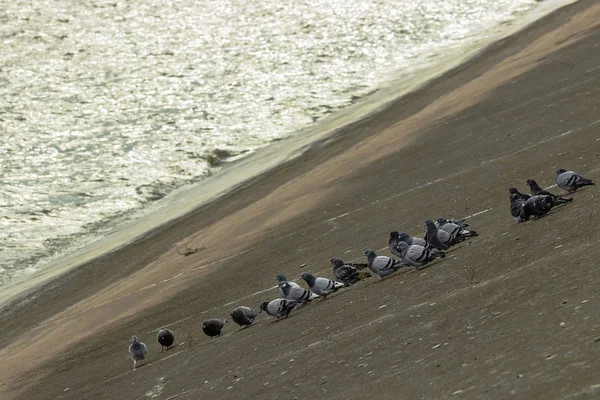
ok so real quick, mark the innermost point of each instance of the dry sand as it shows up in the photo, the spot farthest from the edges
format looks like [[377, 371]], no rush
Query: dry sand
[[510, 314]]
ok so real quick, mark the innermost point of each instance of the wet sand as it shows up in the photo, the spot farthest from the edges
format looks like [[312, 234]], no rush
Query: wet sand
[[511, 313]]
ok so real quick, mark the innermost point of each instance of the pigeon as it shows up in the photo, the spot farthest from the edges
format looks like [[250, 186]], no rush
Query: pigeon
[[516, 207], [321, 286], [243, 316], [455, 230], [281, 279], [394, 244], [523, 196], [165, 338], [571, 181], [536, 206], [416, 255], [278, 308], [348, 273], [537, 190], [137, 351], [297, 293], [459, 222], [212, 327], [405, 237], [382, 265], [438, 239]]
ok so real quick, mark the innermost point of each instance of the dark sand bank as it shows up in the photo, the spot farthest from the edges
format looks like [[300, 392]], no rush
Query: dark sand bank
[[514, 311]]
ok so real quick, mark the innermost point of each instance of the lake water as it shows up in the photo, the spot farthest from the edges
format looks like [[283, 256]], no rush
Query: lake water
[[107, 107]]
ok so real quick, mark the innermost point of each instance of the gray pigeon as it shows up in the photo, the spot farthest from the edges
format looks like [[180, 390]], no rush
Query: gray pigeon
[[347, 272], [405, 237], [516, 207], [523, 196], [212, 327], [438, 239], [137, 351], [537, 190], [455, 230], [460, 222], [281, 279], [297, 293], [381, 265], [536, 206], [416, 255], [321, 286], [165, 338], [278, 308], [243, 316], [571, 181]]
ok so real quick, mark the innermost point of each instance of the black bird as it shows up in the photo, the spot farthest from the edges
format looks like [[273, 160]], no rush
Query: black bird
[[212, 327], [165, 338], [537, 190], [243, 316], [537, 206]]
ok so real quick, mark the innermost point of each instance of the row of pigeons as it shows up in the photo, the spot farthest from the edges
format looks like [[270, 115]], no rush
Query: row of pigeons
[[410, 252], [541, 201]]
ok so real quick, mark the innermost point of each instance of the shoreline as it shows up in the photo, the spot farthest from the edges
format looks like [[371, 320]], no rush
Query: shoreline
[[192, 199]]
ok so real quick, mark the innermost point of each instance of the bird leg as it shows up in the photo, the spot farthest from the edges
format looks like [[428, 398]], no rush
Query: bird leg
[[134, 364]]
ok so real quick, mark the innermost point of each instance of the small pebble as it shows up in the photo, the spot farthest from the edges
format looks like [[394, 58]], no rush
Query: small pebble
[[436, 346]]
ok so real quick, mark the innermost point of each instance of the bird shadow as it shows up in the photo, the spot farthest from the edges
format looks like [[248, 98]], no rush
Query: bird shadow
[[280, 319], [428, 265], [244, 328], [140, 366]]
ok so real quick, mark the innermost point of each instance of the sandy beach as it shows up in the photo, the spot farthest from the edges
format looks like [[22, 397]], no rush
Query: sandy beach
[[509, 314]]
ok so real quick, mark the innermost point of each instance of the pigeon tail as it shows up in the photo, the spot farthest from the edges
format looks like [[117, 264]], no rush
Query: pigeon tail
[[562, 200], [584, 182], [467, 233]]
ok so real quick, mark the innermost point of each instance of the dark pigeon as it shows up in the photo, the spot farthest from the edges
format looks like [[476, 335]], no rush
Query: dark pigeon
[[212, 327], [537, 190], [348, 273], [516, 207], [537, 206], [523, 196], [165, 338], [243, 316], [394, 244]]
